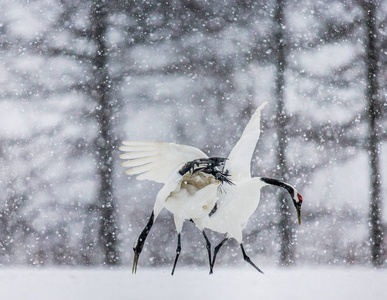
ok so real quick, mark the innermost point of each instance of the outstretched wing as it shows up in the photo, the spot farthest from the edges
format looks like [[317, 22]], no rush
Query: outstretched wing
[[156, 161], [239, 160]]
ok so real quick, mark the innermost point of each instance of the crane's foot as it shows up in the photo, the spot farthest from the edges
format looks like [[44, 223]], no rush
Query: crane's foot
[[137, 248], [208, 246], [216, 250], [178, 250], [246, 258]]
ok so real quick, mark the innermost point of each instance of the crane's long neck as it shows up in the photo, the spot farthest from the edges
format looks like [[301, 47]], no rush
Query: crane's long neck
[[280, 183], [296, 197]]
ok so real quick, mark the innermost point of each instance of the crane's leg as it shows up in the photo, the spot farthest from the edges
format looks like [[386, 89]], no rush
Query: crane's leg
[[246, 258], [208, 246], [178, 250], [216, 250], [137, 248]]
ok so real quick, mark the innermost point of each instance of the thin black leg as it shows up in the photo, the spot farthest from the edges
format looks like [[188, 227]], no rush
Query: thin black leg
[[208, 245], [216, 250], [178, 250], [137, 248], [246, 258]]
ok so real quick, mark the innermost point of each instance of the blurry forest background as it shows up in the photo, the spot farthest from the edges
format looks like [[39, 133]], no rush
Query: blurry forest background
[[78, 77]]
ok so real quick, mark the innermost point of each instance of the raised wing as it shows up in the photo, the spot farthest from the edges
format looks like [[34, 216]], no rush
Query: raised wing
[[156, 161], [239, 160]]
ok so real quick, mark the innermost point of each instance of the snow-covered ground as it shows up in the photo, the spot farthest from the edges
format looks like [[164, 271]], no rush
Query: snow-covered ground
[[246, 283]]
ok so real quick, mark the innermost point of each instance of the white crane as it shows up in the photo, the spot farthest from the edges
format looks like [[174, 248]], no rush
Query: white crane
[[188, 192], [240, 200], [194, 195]]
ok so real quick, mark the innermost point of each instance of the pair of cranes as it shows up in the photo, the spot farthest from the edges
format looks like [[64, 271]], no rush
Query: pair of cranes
[[215, 193]]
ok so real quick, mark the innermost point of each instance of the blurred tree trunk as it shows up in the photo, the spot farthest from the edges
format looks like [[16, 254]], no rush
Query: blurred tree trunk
[[285, 226], [105, 141], [374, 113]]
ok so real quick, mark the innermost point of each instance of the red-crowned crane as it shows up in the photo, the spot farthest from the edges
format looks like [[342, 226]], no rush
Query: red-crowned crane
[[191, 182], [191, 186]]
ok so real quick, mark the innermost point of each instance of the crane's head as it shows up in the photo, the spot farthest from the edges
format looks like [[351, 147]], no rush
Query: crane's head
[[296, 197], [297, 201]]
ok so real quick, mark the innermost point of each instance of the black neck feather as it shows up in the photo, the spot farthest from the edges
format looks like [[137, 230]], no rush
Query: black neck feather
[[280, 183]]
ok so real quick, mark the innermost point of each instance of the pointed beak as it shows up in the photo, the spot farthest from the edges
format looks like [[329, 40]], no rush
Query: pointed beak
[[298, 208], [135, 261]]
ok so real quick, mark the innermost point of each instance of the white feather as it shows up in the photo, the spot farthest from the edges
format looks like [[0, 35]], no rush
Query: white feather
[[194, 196], [239, 160], [138, 161], [156, 161], [236, 205]]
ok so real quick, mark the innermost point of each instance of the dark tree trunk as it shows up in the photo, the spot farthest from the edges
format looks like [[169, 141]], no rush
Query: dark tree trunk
[[375, 213], [105, 140], [285, 226]]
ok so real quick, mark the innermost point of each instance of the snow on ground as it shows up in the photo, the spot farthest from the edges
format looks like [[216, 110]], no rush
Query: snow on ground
[[225, 283]]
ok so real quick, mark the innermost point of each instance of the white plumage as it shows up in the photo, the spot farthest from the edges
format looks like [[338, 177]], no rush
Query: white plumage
[[156, 161], [239, 159], [185, 196], [193, 196]]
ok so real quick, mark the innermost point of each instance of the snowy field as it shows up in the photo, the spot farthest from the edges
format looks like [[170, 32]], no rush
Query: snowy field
[[298, 283]]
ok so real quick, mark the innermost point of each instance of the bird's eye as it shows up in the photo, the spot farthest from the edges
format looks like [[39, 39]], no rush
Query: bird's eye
[[299, 197]]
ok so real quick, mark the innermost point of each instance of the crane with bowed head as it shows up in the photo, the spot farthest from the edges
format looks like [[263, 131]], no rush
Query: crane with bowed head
[[192, 183]]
